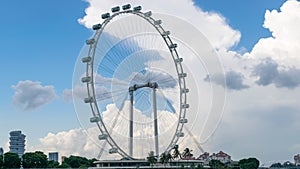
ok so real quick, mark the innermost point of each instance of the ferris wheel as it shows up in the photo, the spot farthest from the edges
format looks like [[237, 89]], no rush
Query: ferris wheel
[[136, 84]]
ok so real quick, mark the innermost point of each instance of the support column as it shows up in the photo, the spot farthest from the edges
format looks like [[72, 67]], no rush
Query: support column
[[131, 123], [155, 122]]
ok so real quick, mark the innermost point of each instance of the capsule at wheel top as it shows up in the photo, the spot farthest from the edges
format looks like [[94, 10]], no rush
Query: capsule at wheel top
[[106, 15], [148, 14], [115, 9], [127, 6], [137, 8]]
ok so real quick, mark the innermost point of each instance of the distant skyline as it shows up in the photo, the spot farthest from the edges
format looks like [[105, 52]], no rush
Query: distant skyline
[[257, 42]]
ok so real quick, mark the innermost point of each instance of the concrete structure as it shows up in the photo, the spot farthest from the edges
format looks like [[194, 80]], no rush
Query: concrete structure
[[120, 164], [17, 142], [53, 156], [297, 159]]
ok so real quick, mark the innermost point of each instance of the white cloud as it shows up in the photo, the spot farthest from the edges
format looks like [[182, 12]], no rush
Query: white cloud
[[212, 25], [72, 142], [32, 95], [284, 45]]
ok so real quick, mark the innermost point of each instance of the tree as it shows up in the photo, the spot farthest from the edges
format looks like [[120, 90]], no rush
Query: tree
[[250, 163], [34, 160], [187, 153], [276, 165], [1, 161], [11, 160], [77, 161], [64, 165], [216, 164], [52, 164], [165, 158], [176, 154], [91, 161], [151, 158]]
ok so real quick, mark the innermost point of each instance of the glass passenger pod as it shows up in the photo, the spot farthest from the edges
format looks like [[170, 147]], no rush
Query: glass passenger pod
[[113, 150], [127, 6], [182, 75], [183, 120], [86, 59], [173, 46], [157, 22], [115, 9], [94, 119], [137, 8], [179, 60], [90, 41], [185, 90], [148, 14], [86, 79], [185, 106], [166, 33], [105, 15], [102, 137], [180, 134], [88, 100], [97, 26]]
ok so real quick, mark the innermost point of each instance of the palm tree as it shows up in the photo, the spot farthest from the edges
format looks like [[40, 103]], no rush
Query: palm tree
[[176, 154], [151, 158], [187, 153], [165, 158]]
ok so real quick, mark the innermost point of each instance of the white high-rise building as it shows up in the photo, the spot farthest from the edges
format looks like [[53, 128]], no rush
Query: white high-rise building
[[17, 142]]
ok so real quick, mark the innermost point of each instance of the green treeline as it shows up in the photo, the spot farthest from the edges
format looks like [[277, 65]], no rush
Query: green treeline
[[39, 160]]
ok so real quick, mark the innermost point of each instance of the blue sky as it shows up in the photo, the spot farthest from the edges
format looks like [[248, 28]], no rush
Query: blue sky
[[41, 40]]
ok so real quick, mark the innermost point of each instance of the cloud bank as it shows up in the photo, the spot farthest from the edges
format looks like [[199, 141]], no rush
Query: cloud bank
[[30, 95]]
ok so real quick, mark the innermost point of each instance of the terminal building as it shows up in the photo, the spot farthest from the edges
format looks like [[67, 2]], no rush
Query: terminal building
[[17, 143]]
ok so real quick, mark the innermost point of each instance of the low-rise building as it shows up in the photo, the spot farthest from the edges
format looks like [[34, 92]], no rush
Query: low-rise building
[[221, 156]]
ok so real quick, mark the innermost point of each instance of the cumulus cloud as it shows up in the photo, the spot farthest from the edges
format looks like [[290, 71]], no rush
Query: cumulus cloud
[[72, 142], [234, 80], [212, 25], [32, 95], [284, 45], [269, 72]]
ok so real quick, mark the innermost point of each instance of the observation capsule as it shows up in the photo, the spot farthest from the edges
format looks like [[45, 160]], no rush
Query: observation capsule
[[105, 16], [97, 26], [127, 6], [115, 9]]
